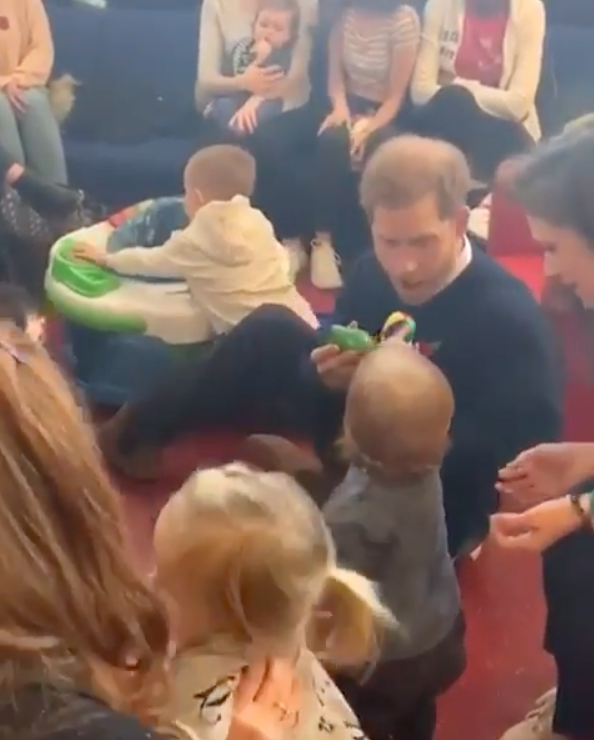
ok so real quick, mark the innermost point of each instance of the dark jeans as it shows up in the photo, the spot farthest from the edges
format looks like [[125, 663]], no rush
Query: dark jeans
[[568, 569], [398, 701], [280, 145], [453, 115], [336, 185], [574, 713]]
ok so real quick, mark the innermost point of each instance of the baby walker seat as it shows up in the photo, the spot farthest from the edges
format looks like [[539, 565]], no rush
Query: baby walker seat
[[123, 332]]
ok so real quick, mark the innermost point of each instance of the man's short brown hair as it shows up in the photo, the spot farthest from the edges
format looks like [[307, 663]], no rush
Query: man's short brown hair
[[222, 172], [408, 168]]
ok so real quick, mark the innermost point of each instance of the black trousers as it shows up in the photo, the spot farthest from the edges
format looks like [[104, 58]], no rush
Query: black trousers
[[453, 115], [257, 378], [568, 569], [398, 701], [281, 147], [336, 185]]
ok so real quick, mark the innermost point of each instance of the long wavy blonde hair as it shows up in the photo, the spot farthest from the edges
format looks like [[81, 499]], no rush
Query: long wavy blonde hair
[[73, 612]]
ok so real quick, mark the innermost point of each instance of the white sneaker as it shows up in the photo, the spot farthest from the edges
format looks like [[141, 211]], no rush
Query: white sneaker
[[538, 723], [325, 265], [297, 256]]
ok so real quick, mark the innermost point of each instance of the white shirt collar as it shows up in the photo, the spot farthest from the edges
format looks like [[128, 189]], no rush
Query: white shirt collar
[[462, 262]]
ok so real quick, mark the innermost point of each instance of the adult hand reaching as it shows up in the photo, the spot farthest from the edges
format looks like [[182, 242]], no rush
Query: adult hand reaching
[[546, 471], [537, 528], [267, 702], [339, 116], [246, 118], [260, 80], [336, 367], [14, 93], [360, 133]]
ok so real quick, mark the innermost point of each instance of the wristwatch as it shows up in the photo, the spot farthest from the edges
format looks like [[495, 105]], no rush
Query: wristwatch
[[576, 500]]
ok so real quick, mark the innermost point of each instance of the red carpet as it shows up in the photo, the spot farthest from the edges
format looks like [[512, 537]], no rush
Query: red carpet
[[501, 591]]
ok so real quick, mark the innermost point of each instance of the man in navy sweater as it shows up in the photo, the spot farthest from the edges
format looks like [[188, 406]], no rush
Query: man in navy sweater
[[480, 325]]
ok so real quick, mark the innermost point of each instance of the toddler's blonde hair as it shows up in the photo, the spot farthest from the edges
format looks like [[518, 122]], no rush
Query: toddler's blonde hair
[[223, 171], [252, 550]]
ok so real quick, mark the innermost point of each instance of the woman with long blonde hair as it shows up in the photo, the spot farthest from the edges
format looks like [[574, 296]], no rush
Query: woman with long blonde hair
[[83, 640]]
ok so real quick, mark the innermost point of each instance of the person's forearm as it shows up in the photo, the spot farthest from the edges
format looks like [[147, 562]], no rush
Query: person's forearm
[[218, 85], [386, 113], [336, 85], [584, 459]]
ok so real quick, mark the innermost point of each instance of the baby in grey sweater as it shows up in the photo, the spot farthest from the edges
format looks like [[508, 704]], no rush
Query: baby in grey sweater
[[388, 523]]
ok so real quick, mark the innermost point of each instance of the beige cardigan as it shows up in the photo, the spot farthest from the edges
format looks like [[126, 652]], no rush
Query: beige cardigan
[[522, 60]]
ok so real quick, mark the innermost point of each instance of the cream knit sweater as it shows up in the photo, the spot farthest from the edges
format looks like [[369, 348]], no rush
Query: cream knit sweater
[[231, 261]]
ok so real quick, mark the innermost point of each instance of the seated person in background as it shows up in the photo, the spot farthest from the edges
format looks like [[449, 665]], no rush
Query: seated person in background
[[371, 54], [43, 196], [28, 128], [388, 522], [228, 253], [477, 75], [247, 570], [271, 46]]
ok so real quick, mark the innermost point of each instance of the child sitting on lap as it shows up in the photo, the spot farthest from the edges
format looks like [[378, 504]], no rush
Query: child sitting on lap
[[244, 562], [228, 253], [271, 46], [388, 523]]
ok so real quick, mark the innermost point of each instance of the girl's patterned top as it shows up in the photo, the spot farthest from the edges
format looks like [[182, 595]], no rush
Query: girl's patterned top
[[204, 686]]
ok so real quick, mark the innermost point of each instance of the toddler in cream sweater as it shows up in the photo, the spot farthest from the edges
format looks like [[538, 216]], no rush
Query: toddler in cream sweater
[[228, 254]]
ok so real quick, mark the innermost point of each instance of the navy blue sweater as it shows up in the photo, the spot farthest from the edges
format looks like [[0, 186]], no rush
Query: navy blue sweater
[[488, 335]]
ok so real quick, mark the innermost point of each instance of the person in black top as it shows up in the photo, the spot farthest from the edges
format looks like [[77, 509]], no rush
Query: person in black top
[[554, 186], [480, 325], [84, 643]]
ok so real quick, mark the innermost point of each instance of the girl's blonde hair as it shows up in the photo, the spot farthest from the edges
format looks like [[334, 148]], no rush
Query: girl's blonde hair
[[252, 549], [72, 610]]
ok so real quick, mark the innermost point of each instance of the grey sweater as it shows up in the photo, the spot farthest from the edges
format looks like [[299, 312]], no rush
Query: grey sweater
[[396, 536]]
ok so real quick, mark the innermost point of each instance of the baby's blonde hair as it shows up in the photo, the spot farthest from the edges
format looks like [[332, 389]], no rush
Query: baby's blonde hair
[[252, 549]]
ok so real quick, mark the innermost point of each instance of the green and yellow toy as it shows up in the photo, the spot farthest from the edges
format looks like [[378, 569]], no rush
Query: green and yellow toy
[[353, 339]]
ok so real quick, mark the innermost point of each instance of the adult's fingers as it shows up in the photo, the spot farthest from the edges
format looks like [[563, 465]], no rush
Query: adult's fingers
[[273, 72], [250, 683], [324, 353], [341, 361], [514, 471], [17, 102], [277, 687], [521, 489], [510, 525]]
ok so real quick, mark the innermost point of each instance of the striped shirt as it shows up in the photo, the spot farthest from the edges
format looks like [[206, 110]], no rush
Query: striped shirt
[[368, 49]]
